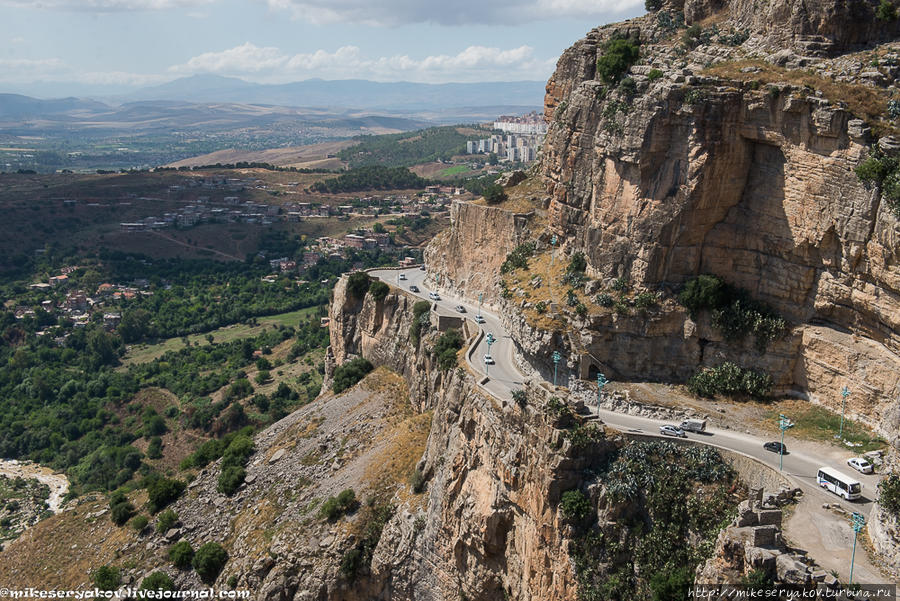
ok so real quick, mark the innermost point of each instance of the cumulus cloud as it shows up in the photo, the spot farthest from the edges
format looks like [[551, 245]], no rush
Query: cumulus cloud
[[475, 63], [25, 70], [460, 12], [101, 6]]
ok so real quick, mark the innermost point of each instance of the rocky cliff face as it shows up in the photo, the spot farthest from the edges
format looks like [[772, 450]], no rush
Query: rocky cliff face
[[489, 526], [696, 174]]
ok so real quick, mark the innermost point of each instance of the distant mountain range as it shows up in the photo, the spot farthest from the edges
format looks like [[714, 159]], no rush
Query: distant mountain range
[[343, 94]]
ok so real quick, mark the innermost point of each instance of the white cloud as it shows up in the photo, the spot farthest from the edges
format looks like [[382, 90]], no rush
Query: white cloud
[[101, 6], [475, 63], [23, 70], [459, 12]]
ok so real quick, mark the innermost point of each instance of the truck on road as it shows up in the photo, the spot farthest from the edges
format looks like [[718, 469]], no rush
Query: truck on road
[[693, 425]]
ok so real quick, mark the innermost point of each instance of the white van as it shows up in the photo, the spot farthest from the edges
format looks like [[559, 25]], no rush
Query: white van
[[693, 425], [838, 483]]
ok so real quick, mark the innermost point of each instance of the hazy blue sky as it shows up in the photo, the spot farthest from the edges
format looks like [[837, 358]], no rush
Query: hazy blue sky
[[144, 42]]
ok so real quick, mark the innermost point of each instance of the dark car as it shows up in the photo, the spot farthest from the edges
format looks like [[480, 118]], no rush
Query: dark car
[[776, 447], [413, 288]]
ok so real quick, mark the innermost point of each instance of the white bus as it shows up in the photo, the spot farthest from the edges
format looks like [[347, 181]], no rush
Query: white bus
[[838, 483]]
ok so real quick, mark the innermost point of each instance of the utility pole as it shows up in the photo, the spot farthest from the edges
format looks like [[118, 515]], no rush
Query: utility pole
[[556, 358], [601, 382], [480, 297], [859, 522], [845, 392], [784, 423], [490, 340]]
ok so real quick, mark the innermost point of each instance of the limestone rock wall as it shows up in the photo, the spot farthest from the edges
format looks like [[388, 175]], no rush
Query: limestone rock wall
[[699, 175], [489, 527], [468, 256]]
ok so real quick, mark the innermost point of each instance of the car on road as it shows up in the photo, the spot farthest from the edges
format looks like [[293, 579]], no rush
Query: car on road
[[479, 319], [776, 447], [413, 288], [861, 465], [460, 309], [669, 430], [488, 360], [434, 296], [421, 268], [402, 276]]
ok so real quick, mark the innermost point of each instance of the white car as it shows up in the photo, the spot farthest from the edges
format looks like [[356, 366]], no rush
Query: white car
[[434, 296], [861, 465], [488, 360], [479, 319], [402, 276], [668, 430]]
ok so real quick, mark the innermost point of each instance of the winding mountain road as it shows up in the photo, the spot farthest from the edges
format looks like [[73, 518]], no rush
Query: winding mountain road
[[826, 536]]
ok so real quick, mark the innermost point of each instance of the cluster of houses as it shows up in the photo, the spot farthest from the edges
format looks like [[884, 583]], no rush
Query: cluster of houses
[[80, 306], [435, 198]]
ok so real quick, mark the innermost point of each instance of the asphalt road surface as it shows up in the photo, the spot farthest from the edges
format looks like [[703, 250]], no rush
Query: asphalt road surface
[[504, 378]]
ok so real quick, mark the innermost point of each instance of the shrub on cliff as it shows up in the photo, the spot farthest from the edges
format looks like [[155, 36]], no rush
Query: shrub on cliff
[[379, 290], [420, 320], [350, 373], [730, 379], [652, 5], [446, 347], [575, 506], [886, 11], [518, 258], [494, 194], [162, 491], [889, 494], [208, 561], [618, 55], [181, 554], [358, 284], [345, 502], [157, 581], [106, 578]]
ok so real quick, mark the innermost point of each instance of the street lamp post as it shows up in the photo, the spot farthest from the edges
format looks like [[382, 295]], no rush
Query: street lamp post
[[552, 248], [601, 382], [845, 392], [556, 358], [859, 521], [490, 340], [784, 423]]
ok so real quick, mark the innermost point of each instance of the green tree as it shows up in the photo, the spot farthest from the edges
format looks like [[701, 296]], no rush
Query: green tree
[[378, 227], [358, 284], [157, 581], [231, 479], [886, 11], [208, 561], [162, 491], [494, 194], [166, 520], [181, 554], [106, 578], [379, 290], [135, 325], [618, 56], [350, 373]]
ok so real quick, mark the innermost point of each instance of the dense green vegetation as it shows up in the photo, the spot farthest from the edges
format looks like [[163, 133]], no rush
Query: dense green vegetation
[[373, 177], [235, 457], [106, 578], [379, 290], [359, 557], [421, 319], [358, 284], [405, 149], [575, 506], [494, 193], [446, 348], [208, 561], [883, 171], [730, 379], [518, 258], [618, 54], [350, 373], [335, 507], [181, 554], [157, 581], [733, 312], [889, 494], [679, 498]]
